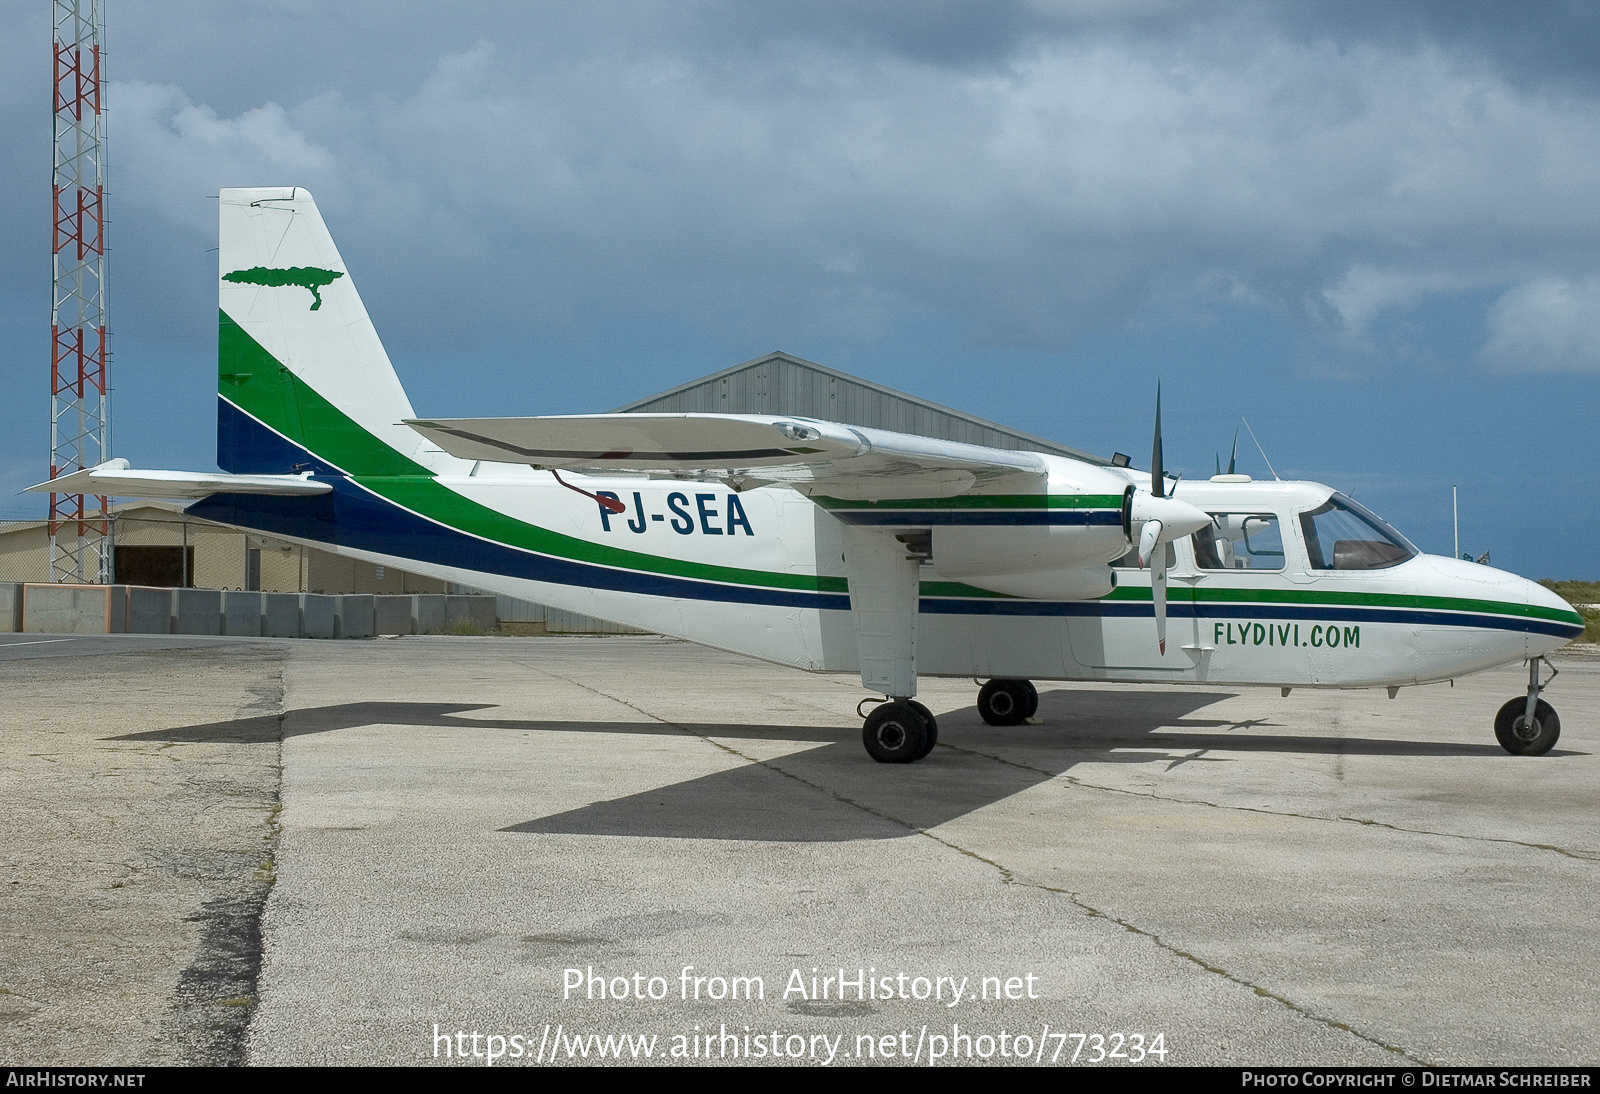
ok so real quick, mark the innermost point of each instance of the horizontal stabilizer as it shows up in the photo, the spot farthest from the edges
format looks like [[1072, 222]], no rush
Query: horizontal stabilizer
[[114, 479], [811, 455]]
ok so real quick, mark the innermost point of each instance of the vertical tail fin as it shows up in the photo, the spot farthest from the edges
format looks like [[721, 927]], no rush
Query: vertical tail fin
[[302, 380]]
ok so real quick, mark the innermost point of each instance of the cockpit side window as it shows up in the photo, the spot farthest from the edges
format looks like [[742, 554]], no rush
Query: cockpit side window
[[1341, 535], [1239, 541]]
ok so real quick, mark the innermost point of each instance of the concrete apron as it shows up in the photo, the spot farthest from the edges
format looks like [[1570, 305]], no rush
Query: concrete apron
[[1330, 878]]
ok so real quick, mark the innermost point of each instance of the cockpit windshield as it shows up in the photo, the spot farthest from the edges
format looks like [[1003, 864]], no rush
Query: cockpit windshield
[[1341, 535]]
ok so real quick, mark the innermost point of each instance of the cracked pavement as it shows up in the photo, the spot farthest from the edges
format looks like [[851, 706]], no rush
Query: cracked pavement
[[133, 867], [1327, 878], [1332, 877]]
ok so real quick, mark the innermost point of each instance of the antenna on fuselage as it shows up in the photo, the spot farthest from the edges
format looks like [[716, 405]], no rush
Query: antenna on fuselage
[[1259, 449]]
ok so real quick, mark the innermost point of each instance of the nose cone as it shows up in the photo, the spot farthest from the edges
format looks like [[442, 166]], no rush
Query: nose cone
[[1513, 602], [1178, 518]]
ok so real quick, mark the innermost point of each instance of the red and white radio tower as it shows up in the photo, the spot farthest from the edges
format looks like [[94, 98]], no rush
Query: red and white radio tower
[[79, 352]]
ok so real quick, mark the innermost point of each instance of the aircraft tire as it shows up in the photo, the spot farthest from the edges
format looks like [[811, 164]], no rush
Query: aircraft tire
[[1033, 698], [933, 726], [1007, 702], [1514, 734], [897, 733]]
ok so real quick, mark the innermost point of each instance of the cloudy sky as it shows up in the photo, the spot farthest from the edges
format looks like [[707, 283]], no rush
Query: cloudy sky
[[1373, 230]]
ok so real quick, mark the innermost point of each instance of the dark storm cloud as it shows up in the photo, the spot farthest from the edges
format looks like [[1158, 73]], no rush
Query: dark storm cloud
[[1026, 171], [1533, 43]]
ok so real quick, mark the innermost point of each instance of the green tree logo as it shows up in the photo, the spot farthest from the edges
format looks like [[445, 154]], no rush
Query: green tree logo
[[307, 277]]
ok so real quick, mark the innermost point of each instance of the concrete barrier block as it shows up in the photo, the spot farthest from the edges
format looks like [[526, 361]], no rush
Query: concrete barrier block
[[149, 610], [241, 613], [465, 610], [10, 606], [317, 614], [280, 615], [197, 611], [356, 616], [481, 612], [428, 613], [67, 609], [391, 614], [119, 608]]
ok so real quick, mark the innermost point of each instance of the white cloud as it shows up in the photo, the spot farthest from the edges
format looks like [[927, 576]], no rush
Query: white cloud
[[171, 154], [1551, 324], [837, 193]]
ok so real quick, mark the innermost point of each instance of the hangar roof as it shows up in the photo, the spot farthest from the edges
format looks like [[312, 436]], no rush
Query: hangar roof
[[783, 384]]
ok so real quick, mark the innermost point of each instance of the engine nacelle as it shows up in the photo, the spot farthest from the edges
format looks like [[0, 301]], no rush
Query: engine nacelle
[[1056, 545], [963, 553]]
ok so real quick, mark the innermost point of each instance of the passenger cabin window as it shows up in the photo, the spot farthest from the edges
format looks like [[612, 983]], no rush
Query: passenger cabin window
[[1341, 535], [1239, 541]]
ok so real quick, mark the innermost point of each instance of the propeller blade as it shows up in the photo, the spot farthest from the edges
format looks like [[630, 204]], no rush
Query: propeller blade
[[1234, 455], [1157, 472], [1148, 540], [1158, 594]]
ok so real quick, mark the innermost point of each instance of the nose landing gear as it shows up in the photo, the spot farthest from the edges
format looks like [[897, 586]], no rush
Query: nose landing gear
[[1527, 725]]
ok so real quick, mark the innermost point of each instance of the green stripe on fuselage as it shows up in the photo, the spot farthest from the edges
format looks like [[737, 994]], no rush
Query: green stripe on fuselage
[[980, 501], [1349, 599], [426, 496], [255, 381]]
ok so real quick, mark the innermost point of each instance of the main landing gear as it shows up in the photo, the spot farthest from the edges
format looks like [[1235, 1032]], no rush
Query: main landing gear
[[903, 731], [1527, 725], [899, 731], [1007, 702]]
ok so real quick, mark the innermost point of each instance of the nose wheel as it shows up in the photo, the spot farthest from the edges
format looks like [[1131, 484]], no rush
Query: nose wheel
[[1527, 725], [1007, 702]]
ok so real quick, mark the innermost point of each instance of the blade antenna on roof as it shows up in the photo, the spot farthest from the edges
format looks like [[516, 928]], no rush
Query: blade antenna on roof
[[1261, 450]]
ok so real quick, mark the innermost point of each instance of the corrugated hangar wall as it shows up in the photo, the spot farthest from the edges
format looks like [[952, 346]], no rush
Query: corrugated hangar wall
[[781, 384]]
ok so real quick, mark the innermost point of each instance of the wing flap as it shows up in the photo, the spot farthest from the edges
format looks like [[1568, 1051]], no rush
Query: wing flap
[[812, 456]]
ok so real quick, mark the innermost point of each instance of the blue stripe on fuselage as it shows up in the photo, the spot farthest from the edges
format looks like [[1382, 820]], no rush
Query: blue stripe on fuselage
[[1310, 612], [351, 516]]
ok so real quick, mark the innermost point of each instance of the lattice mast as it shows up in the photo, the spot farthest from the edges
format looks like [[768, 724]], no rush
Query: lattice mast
[[79, 349]]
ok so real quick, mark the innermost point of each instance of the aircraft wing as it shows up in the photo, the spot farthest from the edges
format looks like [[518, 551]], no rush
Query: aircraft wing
[[812, 456], [114, 479]]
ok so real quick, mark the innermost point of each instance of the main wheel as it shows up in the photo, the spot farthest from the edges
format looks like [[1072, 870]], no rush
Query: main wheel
[[1518, 737], [1033, 699], [1007, 702], [933, 726], [897, 733]]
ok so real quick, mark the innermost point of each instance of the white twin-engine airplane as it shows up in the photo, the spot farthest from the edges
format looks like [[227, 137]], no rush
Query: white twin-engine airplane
[[819, 545]]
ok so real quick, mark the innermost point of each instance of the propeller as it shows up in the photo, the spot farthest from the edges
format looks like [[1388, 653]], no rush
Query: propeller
[[1158, 477], [1163, 519], [1233, 457]]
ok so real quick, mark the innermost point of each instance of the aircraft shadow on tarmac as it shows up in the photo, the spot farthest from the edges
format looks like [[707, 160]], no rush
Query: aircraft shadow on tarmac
[[833, 791]]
